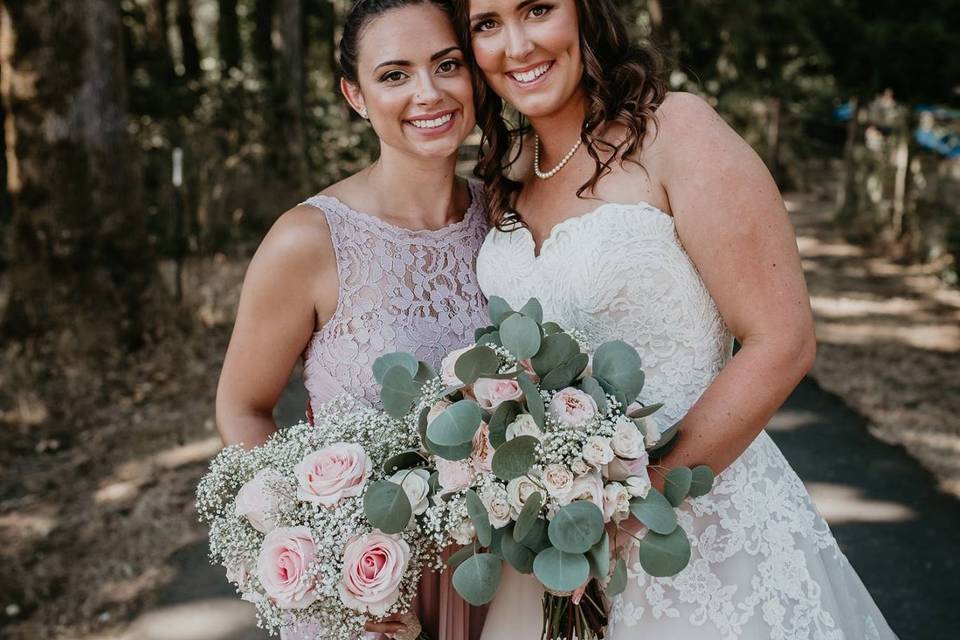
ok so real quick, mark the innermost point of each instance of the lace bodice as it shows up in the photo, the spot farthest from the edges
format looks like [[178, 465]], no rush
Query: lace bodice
[[763, 562], [619, 273], [400, 290]]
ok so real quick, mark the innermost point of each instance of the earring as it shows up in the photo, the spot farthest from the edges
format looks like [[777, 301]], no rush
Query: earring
[[363, 114]]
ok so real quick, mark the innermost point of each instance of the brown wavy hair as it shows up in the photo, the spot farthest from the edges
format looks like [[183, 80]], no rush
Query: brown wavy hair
[[623, 82]]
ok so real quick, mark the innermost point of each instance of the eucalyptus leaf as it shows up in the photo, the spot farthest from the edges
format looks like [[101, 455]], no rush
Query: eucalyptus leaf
[[482, 331], [404, 460], [399, 392], [514, 458], [479, 517], [664, 555], [496, 539], [550, 328], [655, 511], [538, 539], [618, 364], [566, 373], [502, 417], [459, 452], [520, 336], [476, 363], [387, 507], [533, 399], [399, 359], [457, 559], [457, 425], [561, 571], [576, 527], [702, 481], [554, 350], [425, 373], [644, 412], [491, 339], [599, 558], [498, 309], [618, 581], [528, 516], [590, 385], [520, 557], [477, 578], [677, 485], [533, 310]]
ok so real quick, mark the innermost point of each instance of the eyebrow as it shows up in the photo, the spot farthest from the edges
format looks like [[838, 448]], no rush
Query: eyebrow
[[490, 14], [407, 63]]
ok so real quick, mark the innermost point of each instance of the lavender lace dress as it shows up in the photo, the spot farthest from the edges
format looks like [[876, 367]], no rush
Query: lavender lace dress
[[400, 290]]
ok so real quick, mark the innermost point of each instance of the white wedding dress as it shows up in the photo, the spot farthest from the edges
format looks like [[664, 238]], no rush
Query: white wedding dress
[[764, 564]]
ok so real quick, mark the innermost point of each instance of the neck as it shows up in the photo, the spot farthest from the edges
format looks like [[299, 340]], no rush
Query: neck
[[560, 130], [416, 191]]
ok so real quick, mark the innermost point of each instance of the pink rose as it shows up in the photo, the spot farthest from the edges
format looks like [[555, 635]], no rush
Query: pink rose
[[572, 407], [285, 556], [373, 568], [587, 487], [257, 502], [448, 372], [619, 469], [492, 393], [482, 456], [333, 473], [454, 475]]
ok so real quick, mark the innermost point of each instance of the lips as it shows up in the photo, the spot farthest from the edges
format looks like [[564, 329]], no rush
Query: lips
[[530, 74], [432, 121]]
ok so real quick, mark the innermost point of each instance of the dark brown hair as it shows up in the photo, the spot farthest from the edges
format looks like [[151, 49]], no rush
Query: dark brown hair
[[624, 83], [364, 11]]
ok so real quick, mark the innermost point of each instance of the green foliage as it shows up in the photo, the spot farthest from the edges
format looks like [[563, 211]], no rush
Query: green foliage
[[477, 578], [387, 507]]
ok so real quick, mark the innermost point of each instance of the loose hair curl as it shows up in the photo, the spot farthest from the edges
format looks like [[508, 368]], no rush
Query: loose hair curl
[[624, 83]]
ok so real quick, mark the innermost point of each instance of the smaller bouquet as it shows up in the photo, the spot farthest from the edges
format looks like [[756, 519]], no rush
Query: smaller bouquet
[[289, 521], [539, 449]]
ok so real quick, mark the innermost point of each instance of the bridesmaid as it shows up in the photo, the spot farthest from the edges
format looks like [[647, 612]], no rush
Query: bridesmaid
[[382, 261]]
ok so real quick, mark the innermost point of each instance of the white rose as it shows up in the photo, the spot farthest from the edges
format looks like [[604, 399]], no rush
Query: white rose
[[518, 491], [616, 502], [597, 451], [557, 480], [627, 441], [463, 533], [572, 407], [639, 486], [524, 425], [438, 408], [651, 430], [587, 487], [415, 484], [494, 498], [448, 368], [492, 393], [579, 467], [257, 502], [454, 475]]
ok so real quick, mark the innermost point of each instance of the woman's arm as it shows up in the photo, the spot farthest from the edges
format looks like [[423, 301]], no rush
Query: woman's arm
[[733, 224], [291, 279]]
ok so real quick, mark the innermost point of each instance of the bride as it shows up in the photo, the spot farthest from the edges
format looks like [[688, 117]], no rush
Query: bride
[[636, 213]]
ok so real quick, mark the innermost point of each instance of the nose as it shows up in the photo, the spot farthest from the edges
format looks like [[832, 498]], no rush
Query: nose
[[519, 46], [427, 92]]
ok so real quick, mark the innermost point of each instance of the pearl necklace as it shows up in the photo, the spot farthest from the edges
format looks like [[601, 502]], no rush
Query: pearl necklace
[[545, 175]]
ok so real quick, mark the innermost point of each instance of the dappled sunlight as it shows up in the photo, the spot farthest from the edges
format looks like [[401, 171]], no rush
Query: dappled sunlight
[[935, 337], [791, 420], [210, 619], [840, 504]]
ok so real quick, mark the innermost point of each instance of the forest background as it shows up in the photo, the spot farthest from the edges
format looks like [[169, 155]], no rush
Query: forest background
[[148, 144]]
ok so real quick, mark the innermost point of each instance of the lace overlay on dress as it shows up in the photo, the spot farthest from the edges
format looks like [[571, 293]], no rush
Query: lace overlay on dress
[[400, 290], [764, 563]]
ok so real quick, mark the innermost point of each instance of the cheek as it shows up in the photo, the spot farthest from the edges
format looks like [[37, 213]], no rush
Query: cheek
[[488, 54]]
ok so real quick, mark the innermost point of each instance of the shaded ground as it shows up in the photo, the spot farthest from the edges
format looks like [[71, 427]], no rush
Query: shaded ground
[[101, 538]]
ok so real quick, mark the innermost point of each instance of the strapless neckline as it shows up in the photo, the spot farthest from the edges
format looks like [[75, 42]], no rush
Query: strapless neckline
[[582, 219]]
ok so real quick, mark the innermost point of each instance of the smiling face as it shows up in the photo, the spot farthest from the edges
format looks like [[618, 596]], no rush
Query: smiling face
[[529, 52], [412, 82]]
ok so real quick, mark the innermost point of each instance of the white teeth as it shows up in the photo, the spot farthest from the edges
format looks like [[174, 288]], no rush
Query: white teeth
[[533, 74], [432, 124]]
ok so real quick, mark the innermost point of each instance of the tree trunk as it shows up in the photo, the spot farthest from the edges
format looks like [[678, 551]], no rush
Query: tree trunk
[[262, 44], [80, 245], [849, 197], [228, 34], [188, 41], [291, 64]]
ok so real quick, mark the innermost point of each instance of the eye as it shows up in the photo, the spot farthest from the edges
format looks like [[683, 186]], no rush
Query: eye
[[448, 66], [392, 76], [539, 10], [484, 25]]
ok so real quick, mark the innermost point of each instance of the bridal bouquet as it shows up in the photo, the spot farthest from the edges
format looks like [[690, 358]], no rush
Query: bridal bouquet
[[291, 522], [540, 450]]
